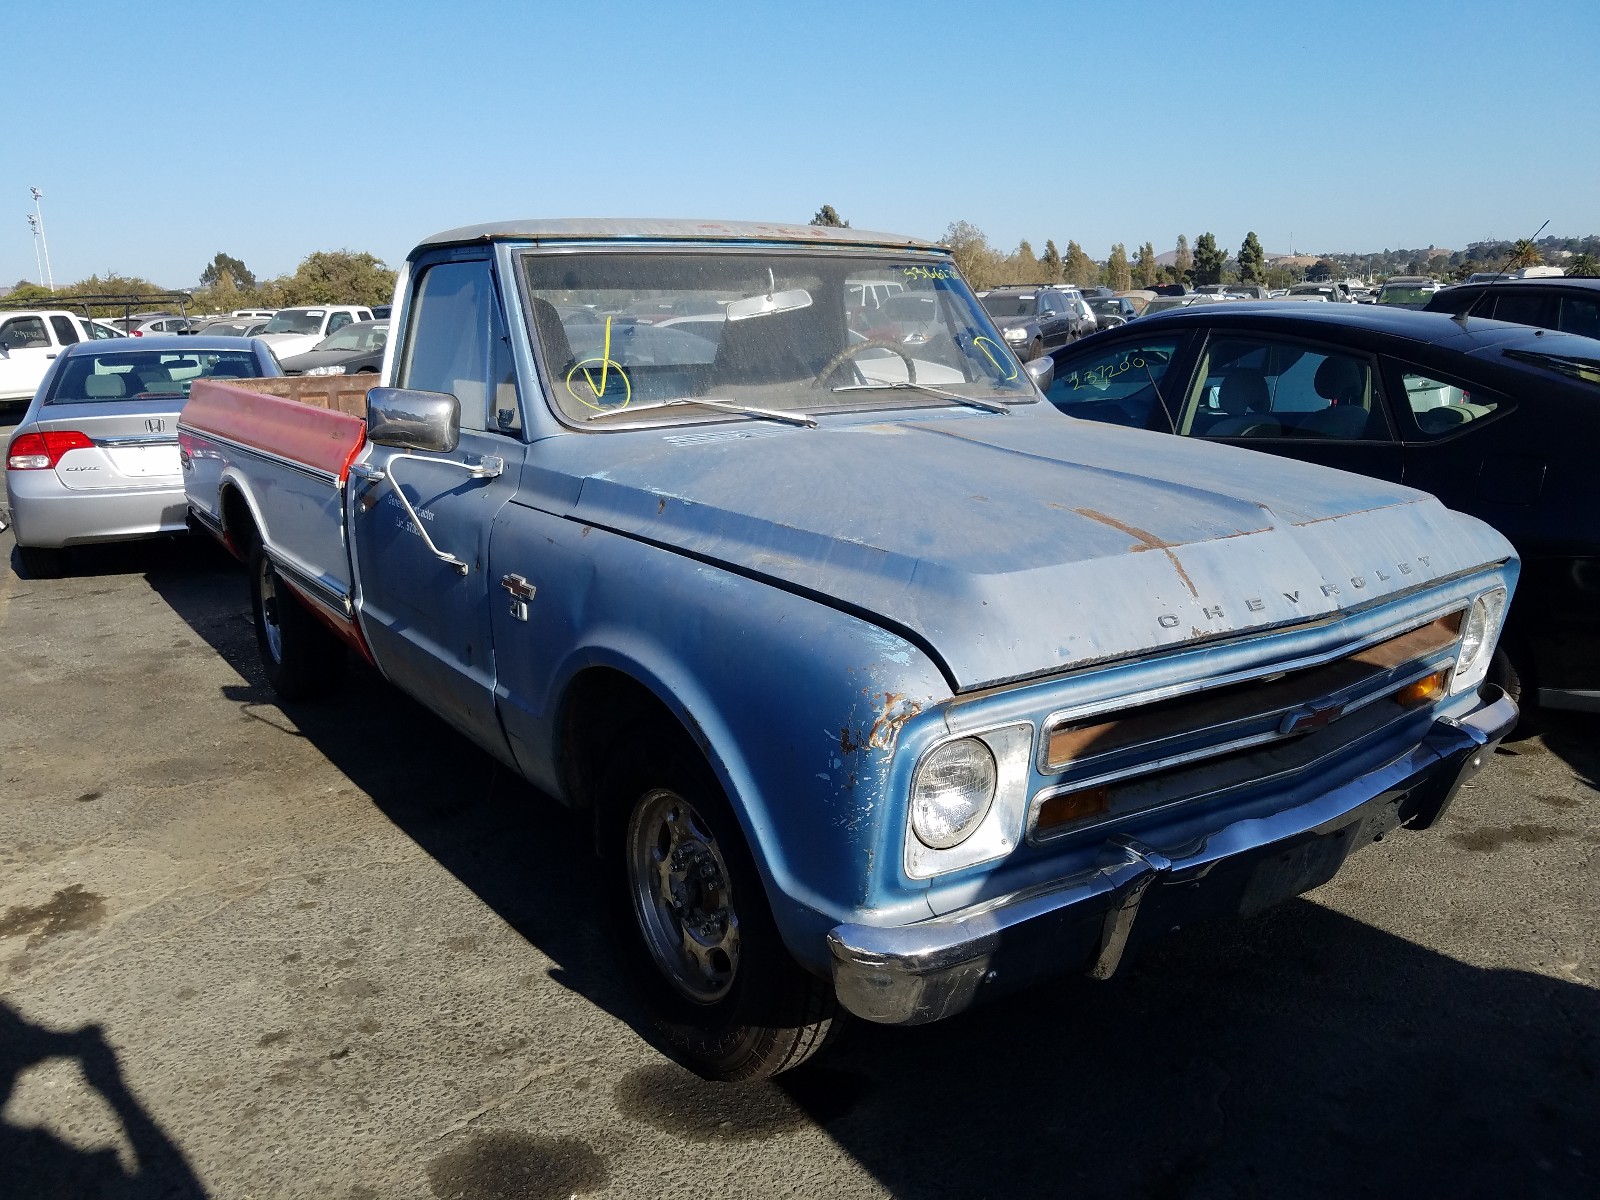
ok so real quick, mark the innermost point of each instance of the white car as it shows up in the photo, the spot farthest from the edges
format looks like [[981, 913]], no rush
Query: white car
[[30, 341], [293, 331]]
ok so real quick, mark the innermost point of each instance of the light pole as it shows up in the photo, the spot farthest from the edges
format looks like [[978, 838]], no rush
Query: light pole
[[38, 213], [33, 224]]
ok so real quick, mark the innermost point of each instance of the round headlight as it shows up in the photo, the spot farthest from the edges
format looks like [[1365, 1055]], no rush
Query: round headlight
[[951, 792], [1478, 634]]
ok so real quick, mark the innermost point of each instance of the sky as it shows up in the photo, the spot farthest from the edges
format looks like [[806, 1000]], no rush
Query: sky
[[163, 134]]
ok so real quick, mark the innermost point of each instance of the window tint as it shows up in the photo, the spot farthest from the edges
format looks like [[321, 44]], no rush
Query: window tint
[[1581, 314], [1121, 384], [24, 333], [66, 330], [338, 321], [1258, 388], [447, 350], [1438, 409], [1452, 300], [1526, 308]]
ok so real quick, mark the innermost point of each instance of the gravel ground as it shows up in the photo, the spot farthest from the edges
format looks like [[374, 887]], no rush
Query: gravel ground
[[338, 952]]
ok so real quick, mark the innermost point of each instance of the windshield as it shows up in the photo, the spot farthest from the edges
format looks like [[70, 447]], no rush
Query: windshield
[[296, 320], [787, 332], [1010, 306], [356, 337], [1405, 295], [145, 375]]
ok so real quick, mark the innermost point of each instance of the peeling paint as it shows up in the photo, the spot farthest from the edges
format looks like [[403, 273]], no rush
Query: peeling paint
[[897, 710]]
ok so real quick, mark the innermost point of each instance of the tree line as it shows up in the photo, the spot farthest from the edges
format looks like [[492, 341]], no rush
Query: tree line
[[226, 284], [983, 265]]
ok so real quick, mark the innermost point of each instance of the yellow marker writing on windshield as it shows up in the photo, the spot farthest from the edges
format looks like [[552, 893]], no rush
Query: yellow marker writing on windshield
[[983, 343], [605, 366]]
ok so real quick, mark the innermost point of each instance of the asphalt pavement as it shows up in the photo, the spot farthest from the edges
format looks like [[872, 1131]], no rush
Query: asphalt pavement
[[336, 951]]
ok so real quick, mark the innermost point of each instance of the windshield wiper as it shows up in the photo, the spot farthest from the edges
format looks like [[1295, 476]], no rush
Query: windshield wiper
[[747, 410], [994, 406]]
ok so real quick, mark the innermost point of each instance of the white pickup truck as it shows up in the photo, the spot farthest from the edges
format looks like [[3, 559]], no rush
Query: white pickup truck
[[295, 330], [29, 342]]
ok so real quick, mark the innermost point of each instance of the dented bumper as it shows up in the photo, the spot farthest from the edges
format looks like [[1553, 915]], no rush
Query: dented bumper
[[914, 974]]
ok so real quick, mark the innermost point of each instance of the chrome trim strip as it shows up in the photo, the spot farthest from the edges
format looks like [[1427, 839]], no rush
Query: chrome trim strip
[[141, 439], [1200, 686], [336, 604], [266, 455]]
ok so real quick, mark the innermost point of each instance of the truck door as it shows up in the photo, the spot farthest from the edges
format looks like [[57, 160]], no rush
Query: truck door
[[426, 619], [26, 349]]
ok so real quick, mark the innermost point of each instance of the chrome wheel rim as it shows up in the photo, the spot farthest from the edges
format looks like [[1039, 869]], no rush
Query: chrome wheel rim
[[682, 896], [267, 585]]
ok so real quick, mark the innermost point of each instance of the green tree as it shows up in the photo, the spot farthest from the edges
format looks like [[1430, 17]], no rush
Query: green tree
[[1183, 264], [1144, 266], [1080, 269], [1023, 266], [1208, 259], [1252, 260], [826, 215], [1584, 266], [1524, 254], [226, 265], [977, 261], [1325, 269], [1118, 275], [1050, 262], [337, 277]]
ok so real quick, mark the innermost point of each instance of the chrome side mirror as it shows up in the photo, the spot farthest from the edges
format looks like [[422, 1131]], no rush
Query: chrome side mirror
[[412, 420], [1042, 371]]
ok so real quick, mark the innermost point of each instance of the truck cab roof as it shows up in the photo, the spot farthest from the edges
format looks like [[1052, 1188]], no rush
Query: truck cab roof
[[655, 229]]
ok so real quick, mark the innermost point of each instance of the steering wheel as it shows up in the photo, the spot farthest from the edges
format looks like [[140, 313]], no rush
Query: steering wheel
[[849, 352]]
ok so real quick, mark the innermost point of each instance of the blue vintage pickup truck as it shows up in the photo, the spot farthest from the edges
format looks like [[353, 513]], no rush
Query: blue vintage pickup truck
[[888, 687]]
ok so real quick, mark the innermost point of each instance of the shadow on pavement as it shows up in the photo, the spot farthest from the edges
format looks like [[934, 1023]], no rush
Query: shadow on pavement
[[1301, 1052], [1574, 738], [35, 1163]]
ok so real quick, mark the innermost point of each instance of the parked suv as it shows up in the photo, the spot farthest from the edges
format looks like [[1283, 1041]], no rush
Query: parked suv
[[1569, 304], [1035, 319]]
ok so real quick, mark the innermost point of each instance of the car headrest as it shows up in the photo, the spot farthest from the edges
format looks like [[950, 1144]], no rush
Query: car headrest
[[1244, 392], [104, 387], [1341, 380]]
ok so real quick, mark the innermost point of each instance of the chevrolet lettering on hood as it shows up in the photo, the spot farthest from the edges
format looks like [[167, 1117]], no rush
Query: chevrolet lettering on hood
[[1257, 604]]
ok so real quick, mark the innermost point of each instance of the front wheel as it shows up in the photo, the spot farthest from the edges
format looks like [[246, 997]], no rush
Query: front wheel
[[302, 658], [724, 996]]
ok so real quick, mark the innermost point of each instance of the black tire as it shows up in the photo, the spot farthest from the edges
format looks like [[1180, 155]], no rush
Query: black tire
[[768, 1014], [42, 562], [1511, 672], [1034, 351], [303, 658]]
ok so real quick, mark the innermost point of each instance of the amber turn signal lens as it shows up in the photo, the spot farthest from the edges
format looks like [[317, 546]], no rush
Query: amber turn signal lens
[[1424, 691], [1073, 806]]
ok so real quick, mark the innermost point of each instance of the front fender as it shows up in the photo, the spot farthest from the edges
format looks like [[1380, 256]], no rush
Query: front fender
[[797, 706]]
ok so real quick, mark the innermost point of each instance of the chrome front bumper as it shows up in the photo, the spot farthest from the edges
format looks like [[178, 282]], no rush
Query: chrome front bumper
[[913, 974]]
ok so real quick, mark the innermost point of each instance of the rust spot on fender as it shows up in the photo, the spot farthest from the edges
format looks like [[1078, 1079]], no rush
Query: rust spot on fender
[[896, 711]]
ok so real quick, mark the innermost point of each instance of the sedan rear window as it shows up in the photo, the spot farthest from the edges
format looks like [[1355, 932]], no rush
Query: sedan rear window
[[136, 375]]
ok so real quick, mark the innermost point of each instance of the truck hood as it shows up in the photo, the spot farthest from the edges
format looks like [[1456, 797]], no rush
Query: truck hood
[[286, 345], [1021, 545]]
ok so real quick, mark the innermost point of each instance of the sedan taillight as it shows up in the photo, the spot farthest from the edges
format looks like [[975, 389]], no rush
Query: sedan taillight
[[42, 451]]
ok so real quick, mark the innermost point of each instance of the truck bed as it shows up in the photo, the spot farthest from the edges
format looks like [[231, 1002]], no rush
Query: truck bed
[[268, 458]]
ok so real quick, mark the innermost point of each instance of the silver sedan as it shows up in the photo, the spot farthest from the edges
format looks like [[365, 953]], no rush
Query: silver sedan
[[95, 457]]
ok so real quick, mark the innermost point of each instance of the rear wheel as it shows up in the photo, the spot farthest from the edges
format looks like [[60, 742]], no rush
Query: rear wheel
[[302, 657], [724, 996], [42, 562]]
